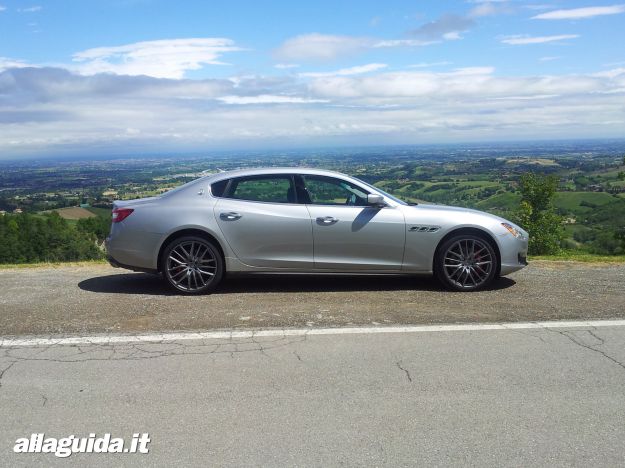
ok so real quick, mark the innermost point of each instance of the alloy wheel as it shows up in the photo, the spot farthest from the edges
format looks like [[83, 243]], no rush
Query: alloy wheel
[[191, 265], [468, 263]]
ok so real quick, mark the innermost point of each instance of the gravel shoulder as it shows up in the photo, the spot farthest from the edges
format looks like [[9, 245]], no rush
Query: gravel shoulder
[[95, 298]]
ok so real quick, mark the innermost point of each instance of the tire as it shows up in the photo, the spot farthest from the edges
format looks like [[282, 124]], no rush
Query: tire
[[192, 265], [466, 262]]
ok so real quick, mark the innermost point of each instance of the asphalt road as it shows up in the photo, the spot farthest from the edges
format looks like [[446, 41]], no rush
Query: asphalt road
[[101, 299], [480, 398]]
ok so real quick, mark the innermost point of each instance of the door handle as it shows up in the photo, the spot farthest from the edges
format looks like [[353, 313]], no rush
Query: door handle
[[231, 216], [327, 220]]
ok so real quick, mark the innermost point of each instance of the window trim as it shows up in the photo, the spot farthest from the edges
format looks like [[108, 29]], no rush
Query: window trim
[[319, 176], [210, 187], [227, 193]]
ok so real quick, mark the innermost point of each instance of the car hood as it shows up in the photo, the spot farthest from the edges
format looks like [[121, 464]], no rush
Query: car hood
[[446, 211]]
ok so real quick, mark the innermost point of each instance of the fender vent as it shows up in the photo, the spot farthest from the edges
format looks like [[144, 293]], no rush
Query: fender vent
[[423, 228]]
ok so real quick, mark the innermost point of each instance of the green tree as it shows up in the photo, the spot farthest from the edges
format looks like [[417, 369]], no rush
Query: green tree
[[96, 226], [536, 213], [43, 238]]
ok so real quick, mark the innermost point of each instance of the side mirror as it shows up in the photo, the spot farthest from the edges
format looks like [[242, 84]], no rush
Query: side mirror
[[374, 199]]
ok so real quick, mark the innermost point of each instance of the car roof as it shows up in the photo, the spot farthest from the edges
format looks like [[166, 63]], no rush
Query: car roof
[[273, 170]]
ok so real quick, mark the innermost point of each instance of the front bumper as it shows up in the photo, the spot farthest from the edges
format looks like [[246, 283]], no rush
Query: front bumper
[[513, 252]]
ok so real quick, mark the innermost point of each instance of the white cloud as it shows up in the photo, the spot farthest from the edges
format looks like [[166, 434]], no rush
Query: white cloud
[[523, 40], [32, 9], [489, 8], [550, 58], [452, 36], [168, 58], [471, 84], [47, 110], [610, 73], [402, 43], [286, 66], [347, 71], [429, 64], [6, 63], [324, 48], [320, 47], [539, 6], [581, 13], [2, 8], [268, 99], [449, 26]]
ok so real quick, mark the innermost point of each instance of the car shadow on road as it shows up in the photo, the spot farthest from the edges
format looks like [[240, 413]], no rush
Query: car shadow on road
[[142, 283]]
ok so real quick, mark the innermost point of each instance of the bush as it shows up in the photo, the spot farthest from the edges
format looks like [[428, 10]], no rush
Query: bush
[[537, 215], [27, 238]]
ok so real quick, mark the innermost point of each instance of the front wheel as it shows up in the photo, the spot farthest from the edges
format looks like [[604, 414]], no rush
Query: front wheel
[[192, 265], [466, 263]]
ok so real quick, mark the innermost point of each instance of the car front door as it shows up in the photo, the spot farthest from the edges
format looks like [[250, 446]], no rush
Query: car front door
[[348, 234], [263, 224]]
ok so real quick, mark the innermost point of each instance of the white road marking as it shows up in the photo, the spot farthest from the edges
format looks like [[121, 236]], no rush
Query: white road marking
[[184, 336]]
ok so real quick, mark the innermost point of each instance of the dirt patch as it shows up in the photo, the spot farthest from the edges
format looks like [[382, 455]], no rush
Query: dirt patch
[[75, 212], [101, 299]]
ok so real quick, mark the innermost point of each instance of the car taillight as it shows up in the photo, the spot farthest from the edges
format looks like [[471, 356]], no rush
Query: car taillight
[[119, 214]]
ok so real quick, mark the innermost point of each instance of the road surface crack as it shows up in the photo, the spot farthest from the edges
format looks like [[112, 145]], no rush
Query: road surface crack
[[574, 340], [399, 365], [3, 371]]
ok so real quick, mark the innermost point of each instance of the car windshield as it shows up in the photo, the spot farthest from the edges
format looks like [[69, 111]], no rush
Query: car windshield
[[386, 194]]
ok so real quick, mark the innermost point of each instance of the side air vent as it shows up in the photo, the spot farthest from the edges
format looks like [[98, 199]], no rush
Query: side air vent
[[423, 228]]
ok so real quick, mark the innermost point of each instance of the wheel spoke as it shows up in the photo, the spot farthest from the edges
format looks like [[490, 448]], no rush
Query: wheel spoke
[[180, 256], [458, 272], [460, 250], [179, 273], [470, 272], [176, 260], [481, 274], [455, 253], [199, 270]]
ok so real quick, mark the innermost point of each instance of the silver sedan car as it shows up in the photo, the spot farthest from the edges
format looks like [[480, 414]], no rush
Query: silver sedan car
[[295, 220]]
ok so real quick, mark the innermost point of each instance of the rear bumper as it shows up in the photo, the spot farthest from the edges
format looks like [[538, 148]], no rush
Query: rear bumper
[[113, 253], [114, 263]]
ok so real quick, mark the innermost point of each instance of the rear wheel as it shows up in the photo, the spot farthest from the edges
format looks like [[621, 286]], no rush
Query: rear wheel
[[192, 265], [466, 262]]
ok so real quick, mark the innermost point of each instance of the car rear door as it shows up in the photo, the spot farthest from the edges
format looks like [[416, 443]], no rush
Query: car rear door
[[263, 223], [348, 234]]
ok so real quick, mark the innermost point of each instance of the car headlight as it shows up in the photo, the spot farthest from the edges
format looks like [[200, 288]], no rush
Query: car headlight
[[514, 231]]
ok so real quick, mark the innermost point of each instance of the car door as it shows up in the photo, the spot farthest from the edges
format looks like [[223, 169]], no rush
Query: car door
[[347, 233], [263, 224]]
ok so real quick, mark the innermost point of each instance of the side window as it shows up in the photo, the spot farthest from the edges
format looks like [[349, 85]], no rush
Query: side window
[[269, 189], [218, 188], [331, 191]]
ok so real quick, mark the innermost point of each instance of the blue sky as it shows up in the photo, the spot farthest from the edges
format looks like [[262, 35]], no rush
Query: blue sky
[[141, 76]]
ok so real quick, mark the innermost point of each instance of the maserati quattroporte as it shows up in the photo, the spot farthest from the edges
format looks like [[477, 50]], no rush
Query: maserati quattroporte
[[295, 220]]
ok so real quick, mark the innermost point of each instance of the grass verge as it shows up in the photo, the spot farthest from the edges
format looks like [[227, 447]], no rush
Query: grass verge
[[10, 266], [572, 256]]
